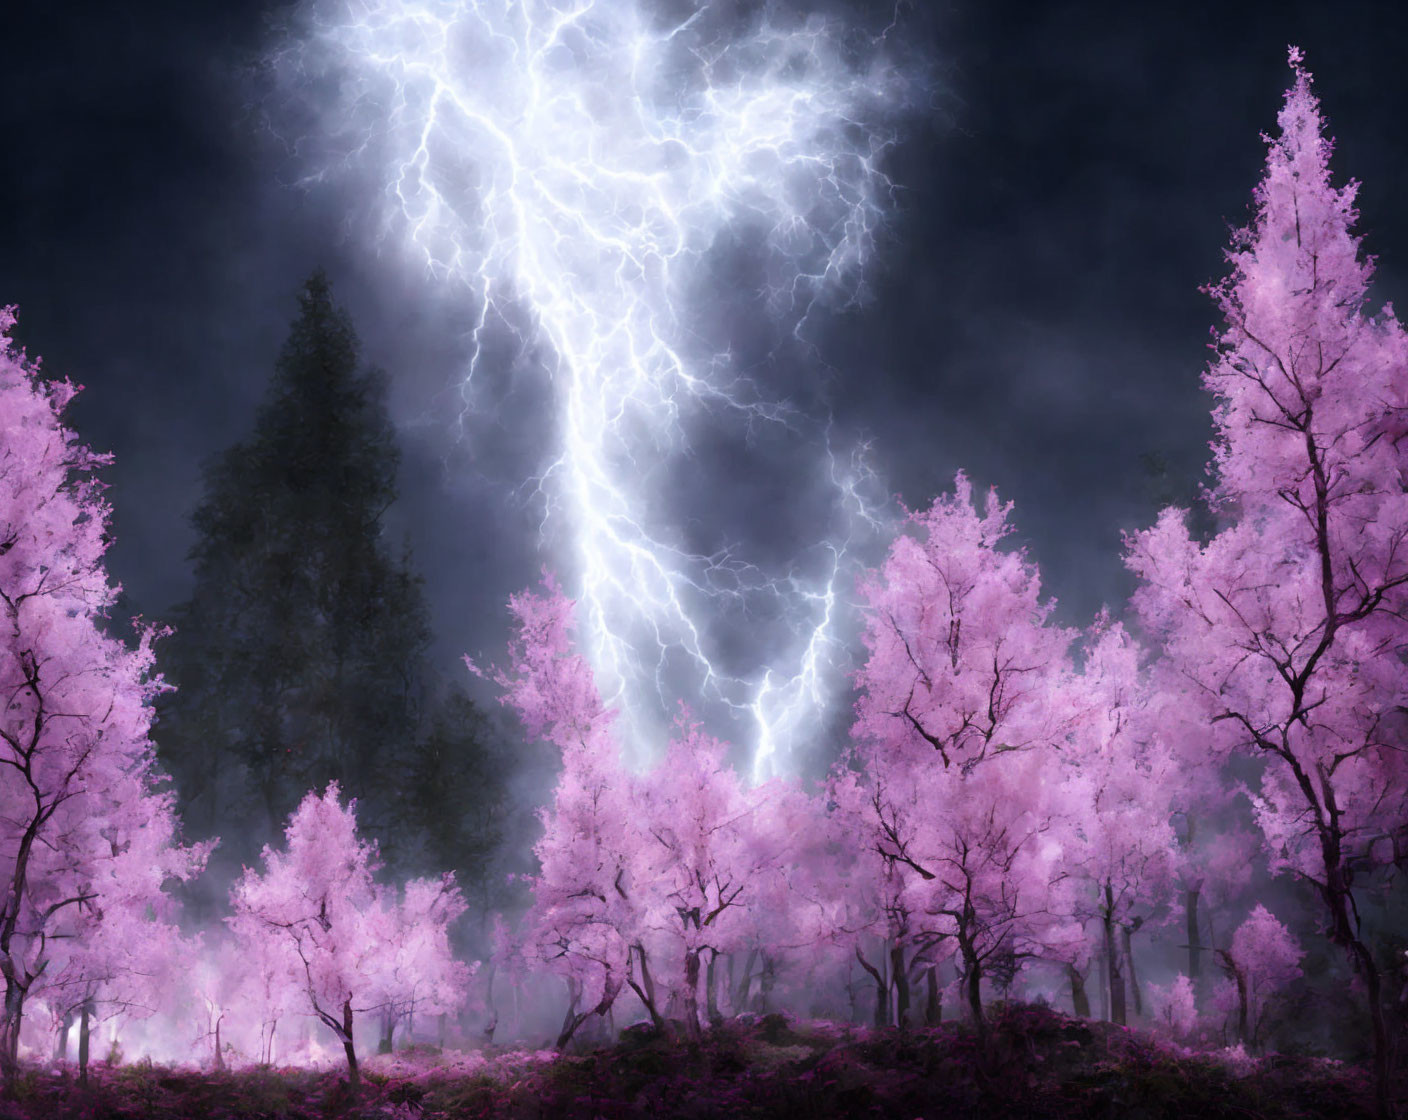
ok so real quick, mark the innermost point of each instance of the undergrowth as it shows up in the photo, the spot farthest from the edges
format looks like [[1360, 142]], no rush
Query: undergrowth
[[1036, 1063]]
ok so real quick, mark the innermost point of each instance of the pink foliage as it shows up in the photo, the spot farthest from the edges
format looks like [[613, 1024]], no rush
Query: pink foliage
[[584, 922], [1282, 634], [1173, 1005], [322, 926], [1263, 959], [1278, 632], [713, 850], [1118, 791], [962, 658], [548, 683], [961, 715], [642, 877], [87, 843], [419, 973]]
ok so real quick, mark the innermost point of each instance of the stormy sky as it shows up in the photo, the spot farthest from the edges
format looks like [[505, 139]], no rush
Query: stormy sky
[[1032, 315]]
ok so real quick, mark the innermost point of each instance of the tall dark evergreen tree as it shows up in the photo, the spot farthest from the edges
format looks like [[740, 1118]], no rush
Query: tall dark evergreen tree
[[300, 656], [452, 790]]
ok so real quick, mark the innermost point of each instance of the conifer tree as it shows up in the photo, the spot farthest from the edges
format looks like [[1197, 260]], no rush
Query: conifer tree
[[299, 658]]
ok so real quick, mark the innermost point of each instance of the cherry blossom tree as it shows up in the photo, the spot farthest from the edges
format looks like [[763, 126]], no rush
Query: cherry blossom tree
[[123, 954], [644, 881], [239, 993], [79, 797], [874, 920], [792, 883], [710, 845], [1284, 631], [1117, 795], [1264, 957], [585, 921], [419, 974], [317, 919], [1214, 859], [961, 712], [1173, 1005]]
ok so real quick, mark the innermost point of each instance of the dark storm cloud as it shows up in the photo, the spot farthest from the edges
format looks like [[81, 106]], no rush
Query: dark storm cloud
[[1033, 316], [1038, 321]]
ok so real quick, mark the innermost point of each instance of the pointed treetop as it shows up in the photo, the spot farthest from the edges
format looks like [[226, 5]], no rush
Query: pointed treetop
[[1293, 300]]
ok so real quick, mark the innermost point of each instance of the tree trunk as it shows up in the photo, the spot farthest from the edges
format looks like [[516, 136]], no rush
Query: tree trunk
[[767, 980], [493, 1021], [1382, 1069], [572, 1020], [646, 989], [1344, 931], [219, 1057], [740, 993], [83, 1042], [1102, 979], [899, 977], [1133, 976], [1195, 948], [10, 1027], [388, 1031], [1243, 1030], [61, 1042], [1113, 978], [852, 996], [973, 980], [711, 990], [882, 991], [691, 992], [933, 1007], [354, 1077], [647, 982], [1238, 976], [1080, 999]]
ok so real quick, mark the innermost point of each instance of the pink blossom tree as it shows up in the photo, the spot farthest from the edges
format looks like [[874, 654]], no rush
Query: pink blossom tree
[[959, 718], [644, 881], [1284, 630], [79, 795], [1263, 958], [1117, 795], [1173, 1005], [872, 911], [240, 992], [316, 917], [1214, 864], [123, 953], [418, 973], [1215, 852], [710, 849], [790, 917], [585, 921]]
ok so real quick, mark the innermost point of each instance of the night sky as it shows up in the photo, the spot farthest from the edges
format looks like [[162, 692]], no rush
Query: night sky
[[1034, 313]]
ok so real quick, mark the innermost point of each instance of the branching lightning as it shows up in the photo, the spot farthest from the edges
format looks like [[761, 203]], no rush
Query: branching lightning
[[572, 164]]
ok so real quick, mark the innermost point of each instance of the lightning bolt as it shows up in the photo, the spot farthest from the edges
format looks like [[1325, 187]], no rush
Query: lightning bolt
[[572, 166]]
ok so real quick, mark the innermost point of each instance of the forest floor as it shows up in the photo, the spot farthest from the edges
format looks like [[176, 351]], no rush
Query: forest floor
[[1039, 1063]]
